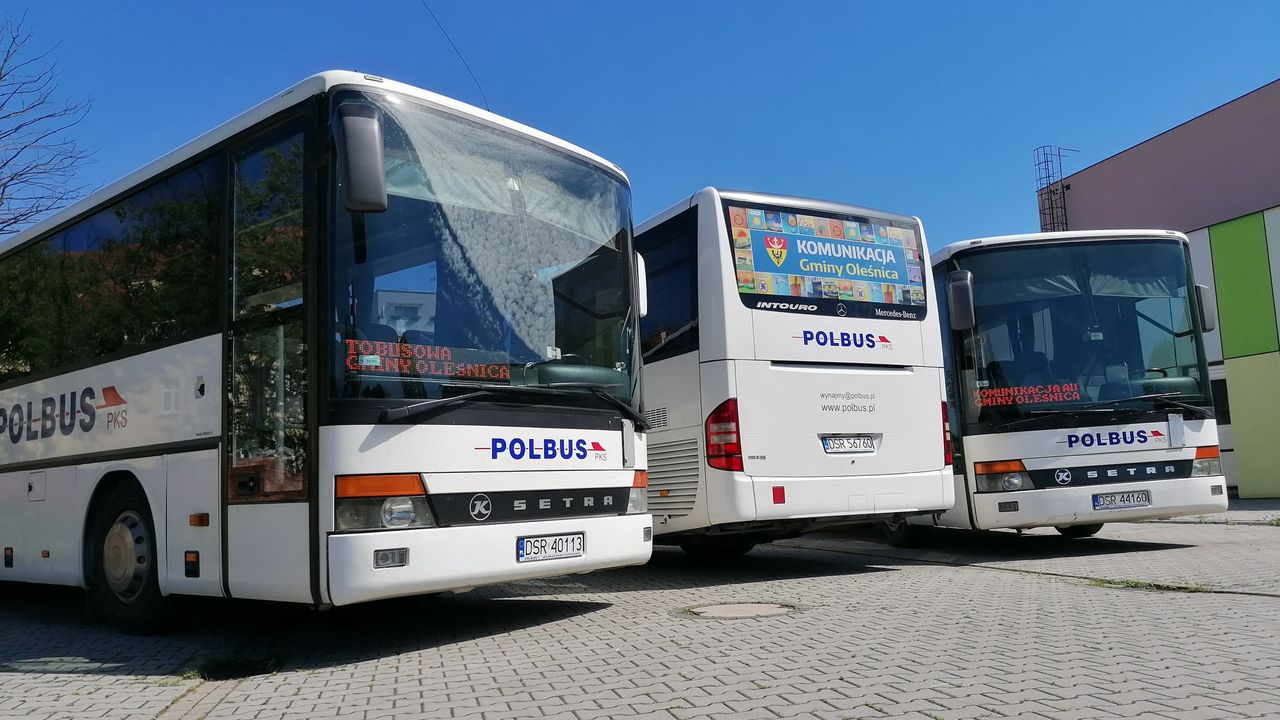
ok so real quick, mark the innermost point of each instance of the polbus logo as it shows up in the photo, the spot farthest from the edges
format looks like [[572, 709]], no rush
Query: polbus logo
[[544, 449], [1114, 438], [64, 414], [824, 338]]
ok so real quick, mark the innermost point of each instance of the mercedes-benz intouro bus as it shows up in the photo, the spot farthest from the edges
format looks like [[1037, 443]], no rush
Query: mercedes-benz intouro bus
[[792, 369]]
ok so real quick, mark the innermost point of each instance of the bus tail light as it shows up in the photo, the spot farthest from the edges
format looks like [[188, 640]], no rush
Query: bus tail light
[[638, 498], [946, 435], [1001, 476], [1208, 462], [724, 443], [376, 502]]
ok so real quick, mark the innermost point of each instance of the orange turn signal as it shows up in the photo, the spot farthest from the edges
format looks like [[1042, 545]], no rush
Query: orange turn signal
[[1000, 466], [640, 479], [1207, 452], [198, 520], [363, 486]]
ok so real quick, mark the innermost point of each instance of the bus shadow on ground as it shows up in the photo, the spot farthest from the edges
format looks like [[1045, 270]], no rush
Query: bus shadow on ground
[[43, 630], [966, 547], [671, 569]]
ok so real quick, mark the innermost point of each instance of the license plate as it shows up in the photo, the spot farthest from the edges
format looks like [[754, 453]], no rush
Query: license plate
[[848, 444], [1120, 500], [550, 547]]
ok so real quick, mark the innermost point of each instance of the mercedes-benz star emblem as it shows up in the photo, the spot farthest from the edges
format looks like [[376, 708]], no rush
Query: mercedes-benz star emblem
[[840, 310], [1063, 476], [481, 507]]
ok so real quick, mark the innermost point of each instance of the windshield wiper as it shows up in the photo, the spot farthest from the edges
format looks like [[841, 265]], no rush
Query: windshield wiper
[[562, 389], [1037, 415], [1165, 397], [425, 406]]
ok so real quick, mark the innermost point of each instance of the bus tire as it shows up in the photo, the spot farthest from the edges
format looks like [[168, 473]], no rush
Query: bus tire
[[901, 534], [704, 551], [1078, 531], [124, 582]]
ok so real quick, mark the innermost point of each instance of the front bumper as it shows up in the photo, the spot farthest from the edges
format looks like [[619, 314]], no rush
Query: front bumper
[[1074, 505], [454, 558]]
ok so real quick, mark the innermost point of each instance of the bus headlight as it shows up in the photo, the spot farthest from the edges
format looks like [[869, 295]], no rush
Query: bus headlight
[[398, 512], [381, 513], [376, 502], [1003, 476], [1208, 462], [638, 501]]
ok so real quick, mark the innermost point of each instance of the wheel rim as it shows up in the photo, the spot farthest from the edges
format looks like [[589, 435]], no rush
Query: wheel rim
[[126, 556]]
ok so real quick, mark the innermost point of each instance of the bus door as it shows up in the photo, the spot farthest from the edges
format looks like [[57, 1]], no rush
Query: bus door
[[269, 547]]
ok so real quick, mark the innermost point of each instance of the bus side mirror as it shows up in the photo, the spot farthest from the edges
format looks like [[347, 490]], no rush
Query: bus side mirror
[[1208, 308], [642, 286], [360, 157], [960, 300]]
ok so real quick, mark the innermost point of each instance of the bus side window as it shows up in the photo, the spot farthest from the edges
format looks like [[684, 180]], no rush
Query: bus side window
[[268, 340], [670, 251]]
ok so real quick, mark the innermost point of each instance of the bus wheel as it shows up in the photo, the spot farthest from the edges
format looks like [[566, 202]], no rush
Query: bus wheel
[[717, 550], [1078, 531], [124, 579], [901, 534]]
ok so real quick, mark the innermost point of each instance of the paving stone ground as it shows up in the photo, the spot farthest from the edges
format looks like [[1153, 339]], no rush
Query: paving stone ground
[[988, 626]]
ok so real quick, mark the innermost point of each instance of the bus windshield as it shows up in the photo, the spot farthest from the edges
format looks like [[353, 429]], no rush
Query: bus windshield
[[803, 260], [1068, 332], [499, 260]]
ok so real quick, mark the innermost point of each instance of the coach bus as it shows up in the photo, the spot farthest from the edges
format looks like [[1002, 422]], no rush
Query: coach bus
[[362, 341], [1078, 384], [792, 370]]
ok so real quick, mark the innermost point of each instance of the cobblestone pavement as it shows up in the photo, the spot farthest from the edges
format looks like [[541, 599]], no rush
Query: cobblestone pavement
[[954, 633]]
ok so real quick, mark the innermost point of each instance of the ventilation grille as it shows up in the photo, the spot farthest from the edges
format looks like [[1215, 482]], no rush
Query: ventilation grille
[[673, 476], [657, 417]]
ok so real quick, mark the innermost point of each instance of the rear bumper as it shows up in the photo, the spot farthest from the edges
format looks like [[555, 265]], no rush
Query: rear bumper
[[455, 558], [852, 495], [1074, 505]]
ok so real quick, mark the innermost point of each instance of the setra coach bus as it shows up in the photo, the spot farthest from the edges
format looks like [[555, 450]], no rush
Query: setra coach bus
[[792, 370], [1077, 377], [362, 341]]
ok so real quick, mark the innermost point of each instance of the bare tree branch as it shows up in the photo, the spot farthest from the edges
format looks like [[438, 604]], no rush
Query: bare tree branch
[[39, 156]]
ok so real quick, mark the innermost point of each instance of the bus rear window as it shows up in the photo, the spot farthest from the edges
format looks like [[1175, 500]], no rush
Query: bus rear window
[[793, 260]]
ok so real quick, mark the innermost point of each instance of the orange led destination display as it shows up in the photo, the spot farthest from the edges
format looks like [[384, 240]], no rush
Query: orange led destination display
[[412, 359], [1027, 394]]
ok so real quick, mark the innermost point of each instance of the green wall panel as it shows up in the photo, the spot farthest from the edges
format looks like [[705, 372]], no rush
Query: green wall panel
[[1242, 275], [1254, 386]]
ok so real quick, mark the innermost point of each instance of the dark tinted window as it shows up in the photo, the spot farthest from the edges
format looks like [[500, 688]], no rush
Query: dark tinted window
[[670, 252], [1221, 406], [140, 273]]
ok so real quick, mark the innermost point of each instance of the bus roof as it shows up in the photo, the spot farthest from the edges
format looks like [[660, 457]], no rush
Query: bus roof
[[314, 85], [774, 199], [946, 253]]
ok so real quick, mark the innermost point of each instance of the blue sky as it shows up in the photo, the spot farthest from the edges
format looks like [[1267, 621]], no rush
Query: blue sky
[[925, 108]]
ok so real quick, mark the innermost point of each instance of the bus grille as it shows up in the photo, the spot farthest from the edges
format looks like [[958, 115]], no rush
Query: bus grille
[[656, 417], [673, 477]]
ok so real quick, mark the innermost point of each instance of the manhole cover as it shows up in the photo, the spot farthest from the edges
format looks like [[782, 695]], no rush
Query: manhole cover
[[741, 610]]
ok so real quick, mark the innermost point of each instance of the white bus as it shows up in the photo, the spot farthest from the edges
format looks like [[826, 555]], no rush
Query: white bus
[[362, 341], [792, 370], [1077, 379]]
